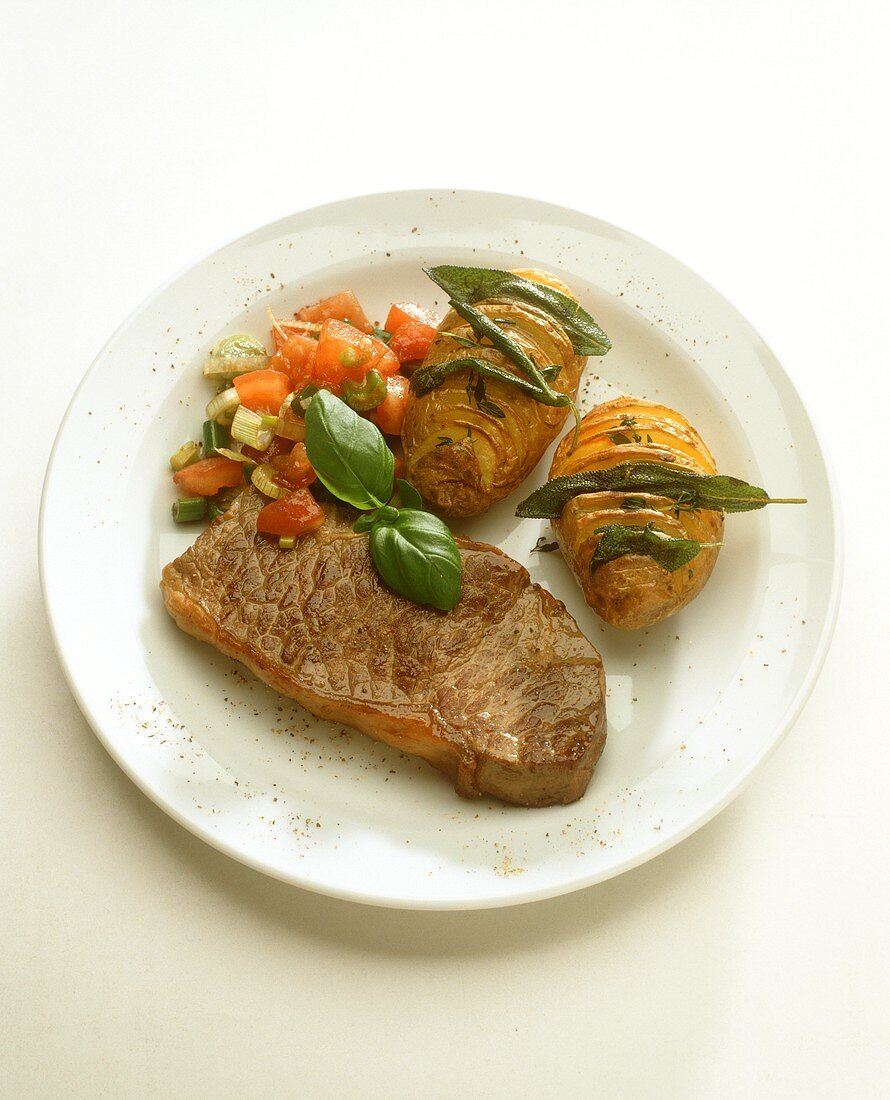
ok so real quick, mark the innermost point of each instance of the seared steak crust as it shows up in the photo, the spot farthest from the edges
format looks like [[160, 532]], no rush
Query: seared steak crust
[[504, 693]]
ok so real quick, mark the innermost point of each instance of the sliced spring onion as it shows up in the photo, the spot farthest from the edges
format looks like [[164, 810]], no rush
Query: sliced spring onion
[[311, 329], [235, 456], [290, 425], [188, 509], [235, 355], [295, 327], [301, 402], [222, 407], [367, 394], [287, 542], [214, 511], [247, 427], [270, 423], [263, 478], [187, 454], [215, 436]]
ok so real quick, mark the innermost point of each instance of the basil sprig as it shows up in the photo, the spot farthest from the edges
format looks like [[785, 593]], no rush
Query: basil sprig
[[413, 551], [472, 284], [688, 488], [670, 553]]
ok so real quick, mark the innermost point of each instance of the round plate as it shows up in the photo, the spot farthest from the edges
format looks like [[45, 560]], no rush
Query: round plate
[[694, 704]]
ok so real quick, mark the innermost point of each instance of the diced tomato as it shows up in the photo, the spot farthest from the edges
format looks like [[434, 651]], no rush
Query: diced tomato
[[297, 358], [263, 390], [401, 313], [389, 416], [295, 514], [412, 341], [344, 352], [343, 307], [278, 446], [207, 477], [294, 470]]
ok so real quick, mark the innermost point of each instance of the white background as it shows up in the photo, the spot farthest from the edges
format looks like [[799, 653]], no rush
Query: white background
[[750, 140]]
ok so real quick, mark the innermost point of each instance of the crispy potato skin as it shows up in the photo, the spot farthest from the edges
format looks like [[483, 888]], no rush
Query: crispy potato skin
[[487, 457], [634, 591]]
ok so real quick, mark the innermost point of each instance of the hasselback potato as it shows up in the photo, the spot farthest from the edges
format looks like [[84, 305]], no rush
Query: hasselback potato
[[467, 447], [633, 590]]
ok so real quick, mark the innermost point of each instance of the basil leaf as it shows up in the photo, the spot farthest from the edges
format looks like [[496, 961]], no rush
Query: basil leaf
[[348, 453], [473, 284], [617, 540], [418, 558], [715, 491], [408, 495]]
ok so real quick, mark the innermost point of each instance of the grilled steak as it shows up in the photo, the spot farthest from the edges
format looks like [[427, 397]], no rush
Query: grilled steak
[[504, 693]]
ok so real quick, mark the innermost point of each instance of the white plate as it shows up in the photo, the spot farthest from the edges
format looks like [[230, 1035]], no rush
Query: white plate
[[694, 704]]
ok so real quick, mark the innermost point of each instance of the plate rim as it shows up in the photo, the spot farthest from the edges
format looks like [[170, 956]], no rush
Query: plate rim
[[518, 897]]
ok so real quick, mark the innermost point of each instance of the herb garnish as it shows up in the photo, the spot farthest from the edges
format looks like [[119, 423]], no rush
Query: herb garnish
[[413, 551], [542, 546], [348, 453], [428, 377], [472, 284], [671, 554], [714, 491], [467, 285], [628, 435], [476, 392]]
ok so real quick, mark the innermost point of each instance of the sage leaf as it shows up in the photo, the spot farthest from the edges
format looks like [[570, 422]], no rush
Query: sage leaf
[[616, 541], [473, 284], [688, 488], [427, 378], [484, 326], [416, 555], [349, 454]]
